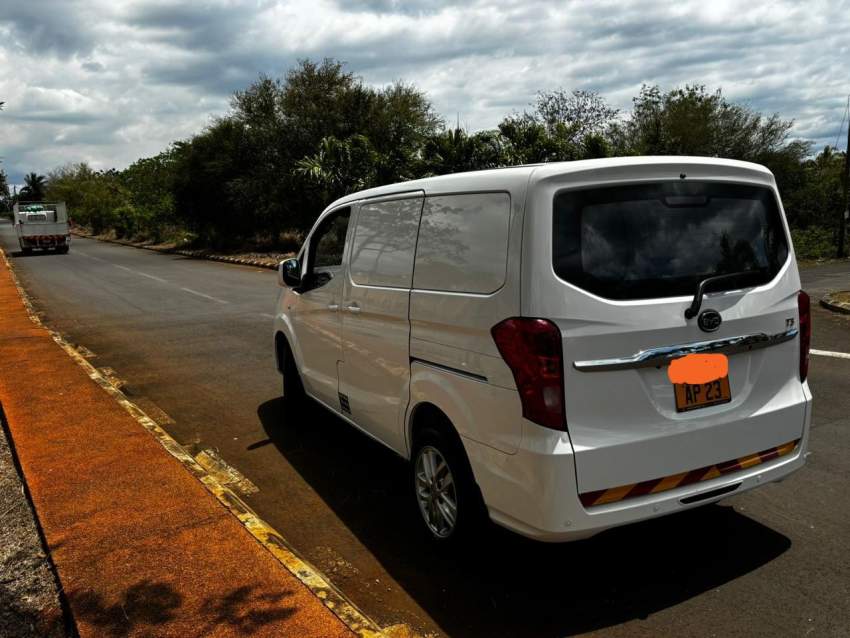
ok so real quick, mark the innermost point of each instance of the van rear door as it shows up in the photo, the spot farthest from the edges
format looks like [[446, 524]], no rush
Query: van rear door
[[627, 261]]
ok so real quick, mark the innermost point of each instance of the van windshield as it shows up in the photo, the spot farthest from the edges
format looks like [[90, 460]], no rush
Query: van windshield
[[660, 240]]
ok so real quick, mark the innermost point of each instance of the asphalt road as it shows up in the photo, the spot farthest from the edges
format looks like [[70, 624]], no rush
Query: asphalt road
[[193, 338]]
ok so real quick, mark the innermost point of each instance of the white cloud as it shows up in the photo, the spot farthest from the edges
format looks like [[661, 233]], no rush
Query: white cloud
[[109, 82]]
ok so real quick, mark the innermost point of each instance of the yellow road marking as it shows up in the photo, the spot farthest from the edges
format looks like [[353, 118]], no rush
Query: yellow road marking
[[225, 473]]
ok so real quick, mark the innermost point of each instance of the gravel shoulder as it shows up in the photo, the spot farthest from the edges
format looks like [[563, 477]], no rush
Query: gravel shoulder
[[29, 596]]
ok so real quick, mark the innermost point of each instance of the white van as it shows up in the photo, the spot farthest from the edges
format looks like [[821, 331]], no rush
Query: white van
[[510, 332]]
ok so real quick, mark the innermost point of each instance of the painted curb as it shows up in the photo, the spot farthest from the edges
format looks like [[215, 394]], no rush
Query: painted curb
[[828, 302], [312, 578], [194, 254]]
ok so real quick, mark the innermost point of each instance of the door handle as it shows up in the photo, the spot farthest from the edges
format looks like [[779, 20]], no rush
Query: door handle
[[333, 307], [353, 308]]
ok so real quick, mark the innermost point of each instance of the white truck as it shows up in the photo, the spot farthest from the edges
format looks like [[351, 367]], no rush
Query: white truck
[[42, 225]]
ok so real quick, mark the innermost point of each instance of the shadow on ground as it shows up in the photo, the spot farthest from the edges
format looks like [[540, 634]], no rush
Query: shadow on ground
[[504, 584], [20, 617], [36, 253], [149, 608]]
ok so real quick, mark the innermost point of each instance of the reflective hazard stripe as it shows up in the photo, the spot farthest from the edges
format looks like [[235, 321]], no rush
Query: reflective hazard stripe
[[653, 486]]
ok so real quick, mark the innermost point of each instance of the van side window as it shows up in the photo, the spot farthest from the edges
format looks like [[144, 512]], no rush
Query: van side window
[[327, 246], [384, 243], [463, 243], [329, 239]]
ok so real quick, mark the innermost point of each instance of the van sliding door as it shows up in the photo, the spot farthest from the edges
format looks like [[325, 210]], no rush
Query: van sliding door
[[375, 372]]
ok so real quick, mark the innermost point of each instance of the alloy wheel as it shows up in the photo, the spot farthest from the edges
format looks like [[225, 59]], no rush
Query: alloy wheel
[[436, 492]]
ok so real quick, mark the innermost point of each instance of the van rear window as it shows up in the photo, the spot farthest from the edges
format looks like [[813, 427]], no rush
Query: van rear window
[[660, 240]]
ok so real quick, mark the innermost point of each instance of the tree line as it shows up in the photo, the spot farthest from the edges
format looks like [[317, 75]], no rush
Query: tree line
[[287, 147]]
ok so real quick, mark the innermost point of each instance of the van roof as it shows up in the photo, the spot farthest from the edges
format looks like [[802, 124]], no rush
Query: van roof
[[505, 178]]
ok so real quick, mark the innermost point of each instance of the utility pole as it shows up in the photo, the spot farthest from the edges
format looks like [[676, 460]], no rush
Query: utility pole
[[845, 181]]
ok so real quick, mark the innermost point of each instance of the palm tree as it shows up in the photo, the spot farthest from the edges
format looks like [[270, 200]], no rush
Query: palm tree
[[340, 166], [34, 187]]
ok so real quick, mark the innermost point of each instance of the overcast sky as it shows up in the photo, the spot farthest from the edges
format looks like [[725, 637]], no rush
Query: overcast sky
[[108, 82]]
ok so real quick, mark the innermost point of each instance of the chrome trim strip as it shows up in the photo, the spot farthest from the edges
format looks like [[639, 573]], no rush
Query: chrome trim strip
[[664, 354], [463, 373]]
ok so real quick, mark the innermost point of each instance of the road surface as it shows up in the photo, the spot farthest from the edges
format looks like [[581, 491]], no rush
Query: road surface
[[192, 339]]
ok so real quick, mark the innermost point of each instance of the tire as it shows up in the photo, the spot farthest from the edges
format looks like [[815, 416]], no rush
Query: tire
[[293, 388], [63, 250], [26, 251], [434, 445]]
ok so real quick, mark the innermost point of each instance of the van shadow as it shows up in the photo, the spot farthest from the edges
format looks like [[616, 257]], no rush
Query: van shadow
[[19, 254], [503, 584]]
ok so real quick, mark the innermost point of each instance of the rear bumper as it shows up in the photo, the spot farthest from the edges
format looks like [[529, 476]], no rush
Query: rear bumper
[[533, 492], [44, 241]]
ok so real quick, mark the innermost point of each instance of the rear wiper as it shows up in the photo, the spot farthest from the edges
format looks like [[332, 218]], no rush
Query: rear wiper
[[692, 311]]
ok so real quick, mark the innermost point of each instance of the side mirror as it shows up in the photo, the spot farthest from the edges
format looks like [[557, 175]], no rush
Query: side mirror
[[289, 273]]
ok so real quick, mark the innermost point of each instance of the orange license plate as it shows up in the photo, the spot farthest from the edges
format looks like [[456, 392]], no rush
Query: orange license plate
[[692, 396]]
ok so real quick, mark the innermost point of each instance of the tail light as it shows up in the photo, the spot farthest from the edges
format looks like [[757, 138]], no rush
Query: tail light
[[804, 307], [532, 350]]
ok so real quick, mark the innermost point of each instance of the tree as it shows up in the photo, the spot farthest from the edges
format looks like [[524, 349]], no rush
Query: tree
[[529, 141], [399, 122], [68, 184], [94, 198], [815, 197], [693, 121], [149, 183], [291, 145], [320, 100], [4, 191], [214, 194], [4, 184], [578, 114], [313, 135], [340, 166], [564, 125], [34, 187], [454, 151]]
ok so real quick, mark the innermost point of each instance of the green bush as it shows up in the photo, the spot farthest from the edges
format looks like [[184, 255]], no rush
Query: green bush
[[813, 243], [125, 221]]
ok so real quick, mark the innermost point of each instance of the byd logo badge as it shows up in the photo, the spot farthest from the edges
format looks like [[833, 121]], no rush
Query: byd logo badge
[[709, 320]]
